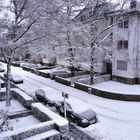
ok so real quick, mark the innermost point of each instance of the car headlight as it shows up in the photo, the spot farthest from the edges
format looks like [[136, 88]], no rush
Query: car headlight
[[84, 121]]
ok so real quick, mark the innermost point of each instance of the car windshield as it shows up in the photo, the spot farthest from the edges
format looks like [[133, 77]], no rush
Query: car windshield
[[75, 102]]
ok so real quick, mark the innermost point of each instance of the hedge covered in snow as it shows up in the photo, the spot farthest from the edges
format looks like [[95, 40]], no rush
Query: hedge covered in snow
[[22, 97], [44, 114]]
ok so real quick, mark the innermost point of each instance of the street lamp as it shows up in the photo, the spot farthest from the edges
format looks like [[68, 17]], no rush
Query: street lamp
[[65, 95]]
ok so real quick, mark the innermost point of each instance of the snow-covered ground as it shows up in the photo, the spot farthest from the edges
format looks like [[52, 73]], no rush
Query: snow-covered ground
[[19, 123], [117, 87], [16, 106], [118, 120]]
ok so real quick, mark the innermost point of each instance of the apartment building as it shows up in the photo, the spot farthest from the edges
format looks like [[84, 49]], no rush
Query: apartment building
[[124, 64]]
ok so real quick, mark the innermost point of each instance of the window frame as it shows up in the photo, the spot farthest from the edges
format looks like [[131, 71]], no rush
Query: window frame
[[122, 44], [122, 65], [123, 23]]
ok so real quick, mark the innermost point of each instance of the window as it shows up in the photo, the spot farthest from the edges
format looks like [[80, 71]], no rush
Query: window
[[54, 47], [121, 65], [111, 20], [111, 36], [83, 17], [123, 44], [124, 23], [90, 13]]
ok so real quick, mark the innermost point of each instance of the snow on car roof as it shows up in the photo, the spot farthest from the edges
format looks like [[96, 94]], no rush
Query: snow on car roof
[[53, 94], [77, 105]]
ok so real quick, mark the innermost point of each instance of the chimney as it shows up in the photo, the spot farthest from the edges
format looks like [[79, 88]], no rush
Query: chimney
[[133, 4]]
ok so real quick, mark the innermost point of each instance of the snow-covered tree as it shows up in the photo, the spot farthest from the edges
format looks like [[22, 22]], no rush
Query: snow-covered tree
[[100, 26], [67, 29], [20, 28]]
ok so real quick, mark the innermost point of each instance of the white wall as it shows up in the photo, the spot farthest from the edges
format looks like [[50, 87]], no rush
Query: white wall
[[128, 55]]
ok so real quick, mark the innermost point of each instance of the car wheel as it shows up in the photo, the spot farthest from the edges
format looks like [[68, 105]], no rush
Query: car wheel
[[61, 110], [51, 77], [76, 122]]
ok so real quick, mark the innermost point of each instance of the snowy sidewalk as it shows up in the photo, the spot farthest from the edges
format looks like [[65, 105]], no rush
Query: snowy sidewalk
[[116, 87]]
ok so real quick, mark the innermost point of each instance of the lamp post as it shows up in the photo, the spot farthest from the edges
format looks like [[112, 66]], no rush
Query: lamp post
[[65, 95]]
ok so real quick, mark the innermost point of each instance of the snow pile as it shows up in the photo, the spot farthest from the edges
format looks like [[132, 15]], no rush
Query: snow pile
[[95, 132]]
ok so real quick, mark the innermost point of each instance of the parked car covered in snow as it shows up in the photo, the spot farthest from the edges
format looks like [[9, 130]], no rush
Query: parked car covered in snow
[[48, 95], [59, 71], [15, 78], [2, 68], [82, 116]]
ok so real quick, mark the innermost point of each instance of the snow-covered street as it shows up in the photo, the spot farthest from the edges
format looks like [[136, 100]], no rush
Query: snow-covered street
[[118, 120]]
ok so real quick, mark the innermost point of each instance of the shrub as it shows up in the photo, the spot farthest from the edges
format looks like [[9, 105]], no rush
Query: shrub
[[4, 123]]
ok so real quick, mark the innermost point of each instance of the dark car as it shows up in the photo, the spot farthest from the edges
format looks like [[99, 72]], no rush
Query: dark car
[[84, 118]]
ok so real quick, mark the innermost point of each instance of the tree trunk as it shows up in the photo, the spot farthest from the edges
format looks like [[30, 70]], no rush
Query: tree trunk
[[92, 64], [8, 85], [72, 71]]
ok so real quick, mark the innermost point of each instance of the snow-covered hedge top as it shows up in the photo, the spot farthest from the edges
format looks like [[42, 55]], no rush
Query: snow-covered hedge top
[[45, 70], [24, 95], [2, 90], [57, 69], [30, 65], [60, 121], [1, 81]]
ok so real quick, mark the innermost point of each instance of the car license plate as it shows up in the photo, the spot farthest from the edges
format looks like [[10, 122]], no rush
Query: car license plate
[[92, 121]]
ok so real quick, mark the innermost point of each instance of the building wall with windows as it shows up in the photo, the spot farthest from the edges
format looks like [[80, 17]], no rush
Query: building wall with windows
[[126, 49], [125, 44]]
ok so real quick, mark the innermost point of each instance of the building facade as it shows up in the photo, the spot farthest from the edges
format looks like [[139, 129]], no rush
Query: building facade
[[124, 63], [126, 47]]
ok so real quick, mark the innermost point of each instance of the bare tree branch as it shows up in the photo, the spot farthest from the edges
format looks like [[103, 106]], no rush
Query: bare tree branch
[[26, 30]]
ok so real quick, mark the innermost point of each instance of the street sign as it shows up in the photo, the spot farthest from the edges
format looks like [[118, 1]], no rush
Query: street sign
[[65, 95]]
